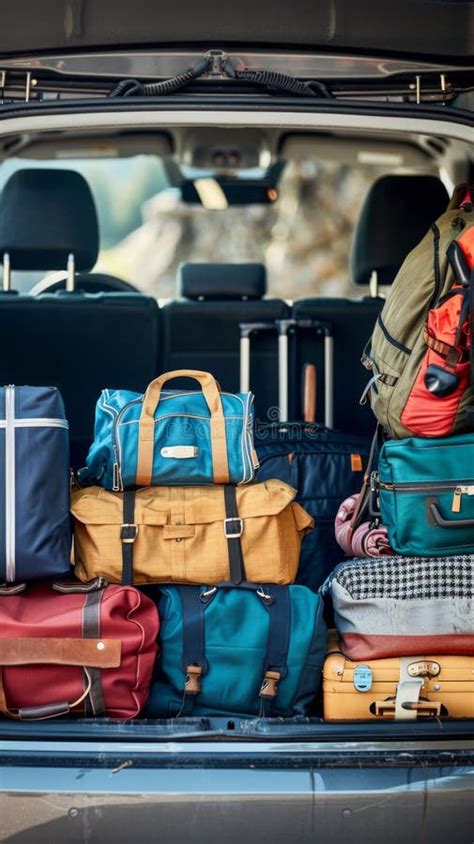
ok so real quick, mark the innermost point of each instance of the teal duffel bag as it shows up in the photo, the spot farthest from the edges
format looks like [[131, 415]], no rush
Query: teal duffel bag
[[426, 490], [244, 651], [178, 438]]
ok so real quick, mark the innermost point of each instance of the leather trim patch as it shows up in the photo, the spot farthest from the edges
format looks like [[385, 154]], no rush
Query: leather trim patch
[[98, 653]]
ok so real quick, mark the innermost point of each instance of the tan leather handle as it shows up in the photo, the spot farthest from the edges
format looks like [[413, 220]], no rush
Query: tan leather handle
[[93, 653], [146, 431], [309, 392]]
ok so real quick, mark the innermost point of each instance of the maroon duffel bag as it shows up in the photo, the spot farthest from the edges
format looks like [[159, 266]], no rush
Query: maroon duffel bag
[[75, 648]]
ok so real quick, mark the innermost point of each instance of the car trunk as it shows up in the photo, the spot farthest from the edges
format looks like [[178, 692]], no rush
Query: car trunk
[[436, 32]]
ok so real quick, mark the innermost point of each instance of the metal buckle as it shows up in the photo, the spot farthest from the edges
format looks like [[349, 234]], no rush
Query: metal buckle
[[233, 534], [128, 533]]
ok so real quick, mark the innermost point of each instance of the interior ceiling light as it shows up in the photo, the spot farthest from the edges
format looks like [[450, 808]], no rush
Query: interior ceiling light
[[211, 194]]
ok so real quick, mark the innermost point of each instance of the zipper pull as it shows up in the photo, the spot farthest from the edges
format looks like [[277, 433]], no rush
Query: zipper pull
[[456, 505], [374, 481], [115, 476]]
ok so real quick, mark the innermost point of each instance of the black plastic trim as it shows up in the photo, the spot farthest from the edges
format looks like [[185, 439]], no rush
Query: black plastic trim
[[237, 729], [238, 102]]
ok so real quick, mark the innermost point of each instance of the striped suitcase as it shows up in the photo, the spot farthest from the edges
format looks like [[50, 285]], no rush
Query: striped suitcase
[[35, 531]]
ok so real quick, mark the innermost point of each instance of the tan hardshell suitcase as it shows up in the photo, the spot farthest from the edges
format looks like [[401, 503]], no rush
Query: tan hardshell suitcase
[[397, 688]]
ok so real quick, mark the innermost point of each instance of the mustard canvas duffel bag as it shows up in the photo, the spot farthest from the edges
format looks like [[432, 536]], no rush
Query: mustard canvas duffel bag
[[202, 535]]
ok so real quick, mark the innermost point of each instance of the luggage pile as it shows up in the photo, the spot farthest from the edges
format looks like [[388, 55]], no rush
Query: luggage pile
[[405, 618], [165, 499], [198, 579]]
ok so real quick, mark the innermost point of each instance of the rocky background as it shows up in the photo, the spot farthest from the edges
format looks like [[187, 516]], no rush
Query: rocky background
[[303, 238]]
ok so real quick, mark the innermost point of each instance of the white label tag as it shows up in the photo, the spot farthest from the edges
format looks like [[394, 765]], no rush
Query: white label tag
[[179, 452]]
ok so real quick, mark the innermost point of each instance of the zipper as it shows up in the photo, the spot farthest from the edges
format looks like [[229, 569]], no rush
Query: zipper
[[117, 482], [459, 488], [393, 342], [458, 494], [10, 483]]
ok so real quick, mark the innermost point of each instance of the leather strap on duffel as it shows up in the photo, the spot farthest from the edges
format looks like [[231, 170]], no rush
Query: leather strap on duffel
[[128, 535], [277, 601], [94, 703], [146, 433], [233, 528], [194, 663]]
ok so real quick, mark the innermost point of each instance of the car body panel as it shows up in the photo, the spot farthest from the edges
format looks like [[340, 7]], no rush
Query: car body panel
[[235, 791], [438, 28]]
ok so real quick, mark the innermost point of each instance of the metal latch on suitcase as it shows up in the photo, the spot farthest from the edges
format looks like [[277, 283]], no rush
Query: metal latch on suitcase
[[362, 678]]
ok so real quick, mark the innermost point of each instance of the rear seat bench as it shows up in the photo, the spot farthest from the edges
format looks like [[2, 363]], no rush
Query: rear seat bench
[[201, 327], [78, 342]]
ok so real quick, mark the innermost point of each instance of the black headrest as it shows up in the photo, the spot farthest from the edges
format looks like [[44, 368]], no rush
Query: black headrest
[[44, 216], [222, 281], [397, 213]]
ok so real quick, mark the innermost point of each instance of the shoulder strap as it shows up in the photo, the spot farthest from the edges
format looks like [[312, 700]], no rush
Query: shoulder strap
[[470, 409], [277, 601], [193, 663], [128, 535], [233, 527]]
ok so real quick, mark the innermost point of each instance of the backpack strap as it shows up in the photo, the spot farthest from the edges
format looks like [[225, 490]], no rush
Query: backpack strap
[[470, 409], [277, 601], [193, 663]]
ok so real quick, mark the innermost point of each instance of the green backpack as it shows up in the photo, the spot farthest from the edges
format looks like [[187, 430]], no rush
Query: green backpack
[[399, 347]]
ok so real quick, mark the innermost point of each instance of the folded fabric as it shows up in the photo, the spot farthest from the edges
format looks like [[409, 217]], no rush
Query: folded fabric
[[368, 539], [404, 606]]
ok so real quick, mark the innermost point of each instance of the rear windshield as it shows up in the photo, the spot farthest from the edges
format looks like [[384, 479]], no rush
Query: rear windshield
[[146, 230]]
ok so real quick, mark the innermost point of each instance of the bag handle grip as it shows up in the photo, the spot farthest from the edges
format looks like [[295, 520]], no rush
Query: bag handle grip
[[447, 523], [93, 653], [46, 710], [146, 431]]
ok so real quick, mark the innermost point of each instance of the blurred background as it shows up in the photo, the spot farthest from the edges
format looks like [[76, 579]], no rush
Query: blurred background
[[303, 237]]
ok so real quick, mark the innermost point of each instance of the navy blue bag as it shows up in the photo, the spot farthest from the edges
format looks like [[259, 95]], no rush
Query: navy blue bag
[[326, 467], [35, 533]]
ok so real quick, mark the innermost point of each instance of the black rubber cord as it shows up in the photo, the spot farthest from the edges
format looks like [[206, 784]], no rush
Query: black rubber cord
[[133, 88], [278, 83], [272, 81]]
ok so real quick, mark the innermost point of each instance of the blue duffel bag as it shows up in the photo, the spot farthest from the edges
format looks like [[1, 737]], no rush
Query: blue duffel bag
[[35, 533], [177, 438], [246, 651], [326, 467]]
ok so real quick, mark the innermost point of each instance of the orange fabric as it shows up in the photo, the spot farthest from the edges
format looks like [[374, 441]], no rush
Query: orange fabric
[[425, 414]]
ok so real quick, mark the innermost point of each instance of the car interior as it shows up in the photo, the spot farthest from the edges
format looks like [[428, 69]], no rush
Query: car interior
[[57, 332]]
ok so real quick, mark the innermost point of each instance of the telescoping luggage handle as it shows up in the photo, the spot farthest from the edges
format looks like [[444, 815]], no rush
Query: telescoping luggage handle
[[146, 432], [284, 327]]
